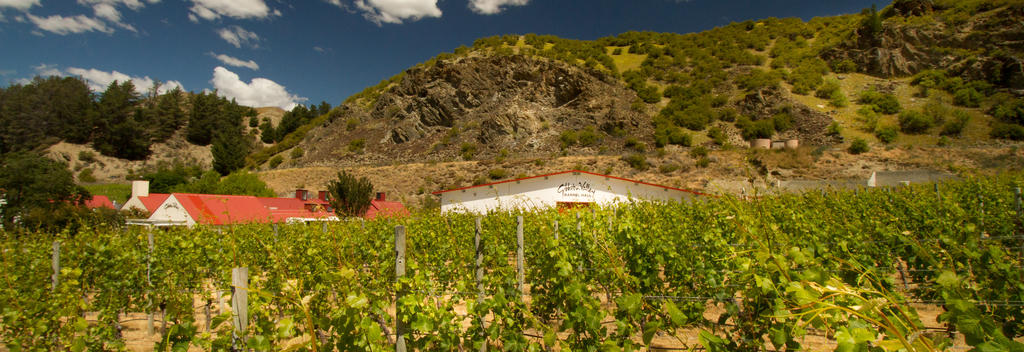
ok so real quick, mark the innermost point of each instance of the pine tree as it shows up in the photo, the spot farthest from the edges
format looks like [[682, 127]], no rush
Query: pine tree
[[350, 196]]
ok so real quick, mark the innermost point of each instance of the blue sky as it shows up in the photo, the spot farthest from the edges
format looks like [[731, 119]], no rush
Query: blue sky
[[278, 53]]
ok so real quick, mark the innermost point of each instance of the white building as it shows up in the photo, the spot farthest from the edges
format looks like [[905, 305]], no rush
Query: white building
[[567, 189]]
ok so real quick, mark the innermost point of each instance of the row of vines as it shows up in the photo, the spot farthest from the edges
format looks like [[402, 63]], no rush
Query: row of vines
[[720, 275]]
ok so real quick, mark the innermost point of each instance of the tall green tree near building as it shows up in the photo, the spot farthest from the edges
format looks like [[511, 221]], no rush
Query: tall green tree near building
[[350, 196], [30, 182]]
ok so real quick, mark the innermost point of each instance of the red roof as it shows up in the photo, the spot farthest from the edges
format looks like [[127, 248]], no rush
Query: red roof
[[385, 209], [574, 171], [153, 201], [216, 209], [99, 202]]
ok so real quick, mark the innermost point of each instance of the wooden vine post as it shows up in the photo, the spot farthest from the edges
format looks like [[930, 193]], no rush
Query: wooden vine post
[[520, 265], [400, 328], [479, 245], [55, 263], [149, 282], [239, 301]]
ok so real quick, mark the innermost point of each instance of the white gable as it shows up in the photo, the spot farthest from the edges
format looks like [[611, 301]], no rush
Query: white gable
[[172, 211], [549, 191]]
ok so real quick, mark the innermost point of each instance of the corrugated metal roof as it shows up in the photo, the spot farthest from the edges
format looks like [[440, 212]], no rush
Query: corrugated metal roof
[[386, 209], [153, 201], [99, 202]]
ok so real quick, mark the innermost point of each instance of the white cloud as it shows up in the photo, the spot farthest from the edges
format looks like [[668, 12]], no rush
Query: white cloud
[[241, 9], [491, 7], [99, 80], [238, 36], [258, 93], [396, 11], [65, 25], [232, 61], [45, 70], [22, 5], [319, 49]]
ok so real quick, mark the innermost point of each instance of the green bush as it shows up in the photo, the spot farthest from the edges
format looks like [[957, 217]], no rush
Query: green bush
[[967, 97], [759, 79], [497, 174], [87, 156], [838, 99], [868, 118], [936, 110], [468, 150], [86, 176], [716, 135], [1008, 110], [882, 102], [834, 129], [589, 137], [636, 145], [782, 121], [914, 122], [698, 152], [668, 168], [636, 161], [351, 124], [844, 66], [1007, 131], [665, 135], [568, 138], [297, 152], [886, 134], [703, 162], [827, 89], [955, 126], [858, 146], [276, 160], [253, 122], [756, 129], [356, 145]]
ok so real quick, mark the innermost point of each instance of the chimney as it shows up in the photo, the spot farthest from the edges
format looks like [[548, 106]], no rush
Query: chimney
[[140, 188], [301, 194], [381, 196], [322, 195]]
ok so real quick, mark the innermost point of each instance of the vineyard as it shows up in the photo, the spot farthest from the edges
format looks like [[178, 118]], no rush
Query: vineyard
[[920, 268]]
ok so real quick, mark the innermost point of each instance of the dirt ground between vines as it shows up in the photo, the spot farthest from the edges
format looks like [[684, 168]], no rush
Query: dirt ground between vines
[[134, 326]]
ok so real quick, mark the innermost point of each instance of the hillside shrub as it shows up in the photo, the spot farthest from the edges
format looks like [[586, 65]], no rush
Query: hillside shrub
[[844, 66], [1008, 110], [568, 138], [782, 121], [467, 150], [87, 156], [758, 79], [717, 135], [955, 126], [668, 168], [351, 124], [589, 136], [665, 135], [858, 146], [834, 129], [885, 103], [698, 152], [297, 153], [497, 174], [276, 160], [637, 161], [86, 176], [936, 109], [914, 122], [838, 99], [968, 97], [1007, 131], [636, 145], [886, 134], [868, 118], [755, 129], [356, 145], [703, 162]]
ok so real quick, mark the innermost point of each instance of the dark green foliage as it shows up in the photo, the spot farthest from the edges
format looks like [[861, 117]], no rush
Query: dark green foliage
[[268, 134], [568, 138], [276, 160], [254, 122], [955, 126], [914, 122], [698, 152], [589, 137], [229, 151], [1010, 110], [717, 135], [858, 146], [30, 182], [807, 75], [636, 145], [967, 97], [86, 176], [885, 103], [844, 66], [350, 196], [871, 25], [756, 129], [45, 110], [666, 134], [497, 174], [467, 150], [886, 134], [1007, 131], [118, 130], [834, 129], [758, 79], [782, 121], [827, 89], [637, 161], [297, 152], [356, 145]]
